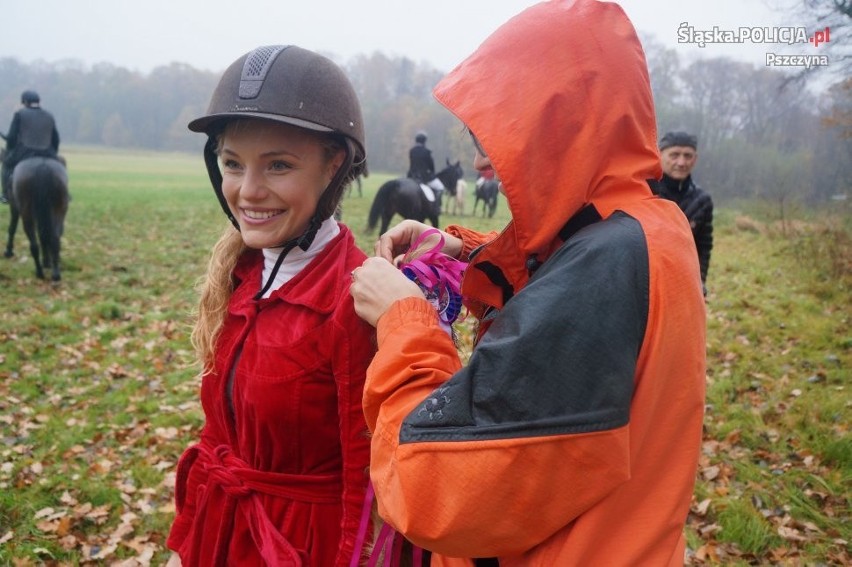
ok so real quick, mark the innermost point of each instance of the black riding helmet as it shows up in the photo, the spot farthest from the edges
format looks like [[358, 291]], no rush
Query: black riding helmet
[[285, 83], [29, 97], [292, 85]]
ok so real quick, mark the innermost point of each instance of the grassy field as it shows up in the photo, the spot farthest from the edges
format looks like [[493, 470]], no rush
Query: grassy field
[[98, 396]]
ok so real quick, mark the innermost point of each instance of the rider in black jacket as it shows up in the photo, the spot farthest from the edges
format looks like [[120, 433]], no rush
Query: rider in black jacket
[[421, 166], [679, 154], [32, 133]]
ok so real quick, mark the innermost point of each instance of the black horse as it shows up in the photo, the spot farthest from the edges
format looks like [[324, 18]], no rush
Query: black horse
[[405, 197], [39, 197], [487, 193]]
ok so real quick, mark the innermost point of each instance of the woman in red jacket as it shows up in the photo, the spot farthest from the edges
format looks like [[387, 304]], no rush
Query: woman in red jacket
[[278, 476], [571, 437]]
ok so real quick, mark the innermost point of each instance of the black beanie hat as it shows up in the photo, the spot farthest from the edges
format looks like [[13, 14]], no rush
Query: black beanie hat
[[678, 139]]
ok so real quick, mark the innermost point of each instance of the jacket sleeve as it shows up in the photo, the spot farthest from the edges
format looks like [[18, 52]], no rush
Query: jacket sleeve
[[356, 341], [13, 133], [471, 239], [188, 479], [700, 214], [494, 458]]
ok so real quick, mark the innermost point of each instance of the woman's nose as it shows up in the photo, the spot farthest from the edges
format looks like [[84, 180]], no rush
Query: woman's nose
[[480, 162], [254, 184]]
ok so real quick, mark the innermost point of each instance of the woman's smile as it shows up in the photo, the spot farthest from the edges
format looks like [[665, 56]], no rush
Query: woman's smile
[[261, 215], [273, 175]]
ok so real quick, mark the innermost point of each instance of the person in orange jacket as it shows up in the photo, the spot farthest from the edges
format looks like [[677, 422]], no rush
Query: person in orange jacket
[[572, 435]]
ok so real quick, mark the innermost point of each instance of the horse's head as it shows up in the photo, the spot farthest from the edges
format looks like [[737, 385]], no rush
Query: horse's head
[[451, 174]]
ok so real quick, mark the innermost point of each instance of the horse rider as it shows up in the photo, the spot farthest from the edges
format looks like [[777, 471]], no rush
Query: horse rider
[[485, 175], [32, 133], [421, 166]]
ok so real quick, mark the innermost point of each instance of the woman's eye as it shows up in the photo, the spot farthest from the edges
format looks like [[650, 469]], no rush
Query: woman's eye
[[230, 164], [279, 166]]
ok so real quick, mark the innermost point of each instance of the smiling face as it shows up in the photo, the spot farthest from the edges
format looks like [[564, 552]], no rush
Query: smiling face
[[678, 161], [273, 175]]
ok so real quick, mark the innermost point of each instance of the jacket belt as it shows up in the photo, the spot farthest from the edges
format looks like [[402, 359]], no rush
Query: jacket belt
[[240, 486]]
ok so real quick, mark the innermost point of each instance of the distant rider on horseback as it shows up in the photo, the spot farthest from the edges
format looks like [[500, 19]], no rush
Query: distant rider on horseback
[[32, 133], [421, 166]]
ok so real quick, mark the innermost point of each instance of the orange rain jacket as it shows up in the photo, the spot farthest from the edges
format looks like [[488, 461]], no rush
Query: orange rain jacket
[[572, 435]]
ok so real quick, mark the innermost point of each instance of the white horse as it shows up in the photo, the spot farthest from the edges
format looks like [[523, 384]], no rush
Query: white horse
[[457, 199]]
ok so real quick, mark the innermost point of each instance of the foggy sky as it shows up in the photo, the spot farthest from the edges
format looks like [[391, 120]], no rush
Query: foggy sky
[[209, 34]]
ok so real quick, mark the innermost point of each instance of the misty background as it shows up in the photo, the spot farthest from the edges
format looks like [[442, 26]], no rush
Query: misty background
[[762, 132]]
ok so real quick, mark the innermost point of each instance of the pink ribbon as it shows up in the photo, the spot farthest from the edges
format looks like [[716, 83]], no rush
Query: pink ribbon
[[434, 269]]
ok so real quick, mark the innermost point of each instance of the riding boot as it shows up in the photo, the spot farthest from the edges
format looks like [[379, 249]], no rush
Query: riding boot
[[7, 185]]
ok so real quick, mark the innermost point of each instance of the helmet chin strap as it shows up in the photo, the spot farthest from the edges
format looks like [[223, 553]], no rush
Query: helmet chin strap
[[304, 242], [211, 160], [307, 238]]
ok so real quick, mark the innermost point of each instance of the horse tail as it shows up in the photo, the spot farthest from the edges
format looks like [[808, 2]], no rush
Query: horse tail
[[42, 185], [379, 203]]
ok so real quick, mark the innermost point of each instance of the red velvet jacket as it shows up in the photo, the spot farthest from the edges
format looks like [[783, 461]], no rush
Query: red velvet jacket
[[279, 476]]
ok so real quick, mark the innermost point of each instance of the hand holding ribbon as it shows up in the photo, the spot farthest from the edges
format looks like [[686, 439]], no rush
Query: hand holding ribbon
[[439, 276]]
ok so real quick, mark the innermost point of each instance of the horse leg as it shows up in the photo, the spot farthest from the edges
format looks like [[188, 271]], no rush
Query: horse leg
[[29, 229], [13, 226], [54, 260], [50, 249]]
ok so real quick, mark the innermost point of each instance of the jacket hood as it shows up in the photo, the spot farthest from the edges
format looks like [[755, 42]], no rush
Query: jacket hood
[[560, 100]]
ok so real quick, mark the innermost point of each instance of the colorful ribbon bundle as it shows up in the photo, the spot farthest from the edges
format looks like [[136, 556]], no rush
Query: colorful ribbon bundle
[[439, 276]]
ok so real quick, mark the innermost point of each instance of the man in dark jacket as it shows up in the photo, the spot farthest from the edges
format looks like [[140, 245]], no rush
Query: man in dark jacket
[[421, 166], [679, 153], [32, 133]]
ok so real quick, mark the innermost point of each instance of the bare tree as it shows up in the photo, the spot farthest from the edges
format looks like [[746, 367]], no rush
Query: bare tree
[[835, 16], [714, 98], [839, 115]]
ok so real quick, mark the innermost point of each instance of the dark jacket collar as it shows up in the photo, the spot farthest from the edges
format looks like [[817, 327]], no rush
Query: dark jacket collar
[[675, 185]]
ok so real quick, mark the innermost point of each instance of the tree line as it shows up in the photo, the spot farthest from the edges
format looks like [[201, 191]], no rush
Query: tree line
[[761, 133]]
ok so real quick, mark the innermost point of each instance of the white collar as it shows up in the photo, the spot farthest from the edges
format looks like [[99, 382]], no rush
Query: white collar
[[297, 258]]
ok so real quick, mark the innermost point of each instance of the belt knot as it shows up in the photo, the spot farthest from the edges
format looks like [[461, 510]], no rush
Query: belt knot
[[224, 472]]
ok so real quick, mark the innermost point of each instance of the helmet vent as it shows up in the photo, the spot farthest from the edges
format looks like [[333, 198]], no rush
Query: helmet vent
[[256, 67]]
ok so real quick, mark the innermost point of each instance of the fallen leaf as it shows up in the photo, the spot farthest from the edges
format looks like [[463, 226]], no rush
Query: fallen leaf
[[701, 508], [710, 473], [790, 534]]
